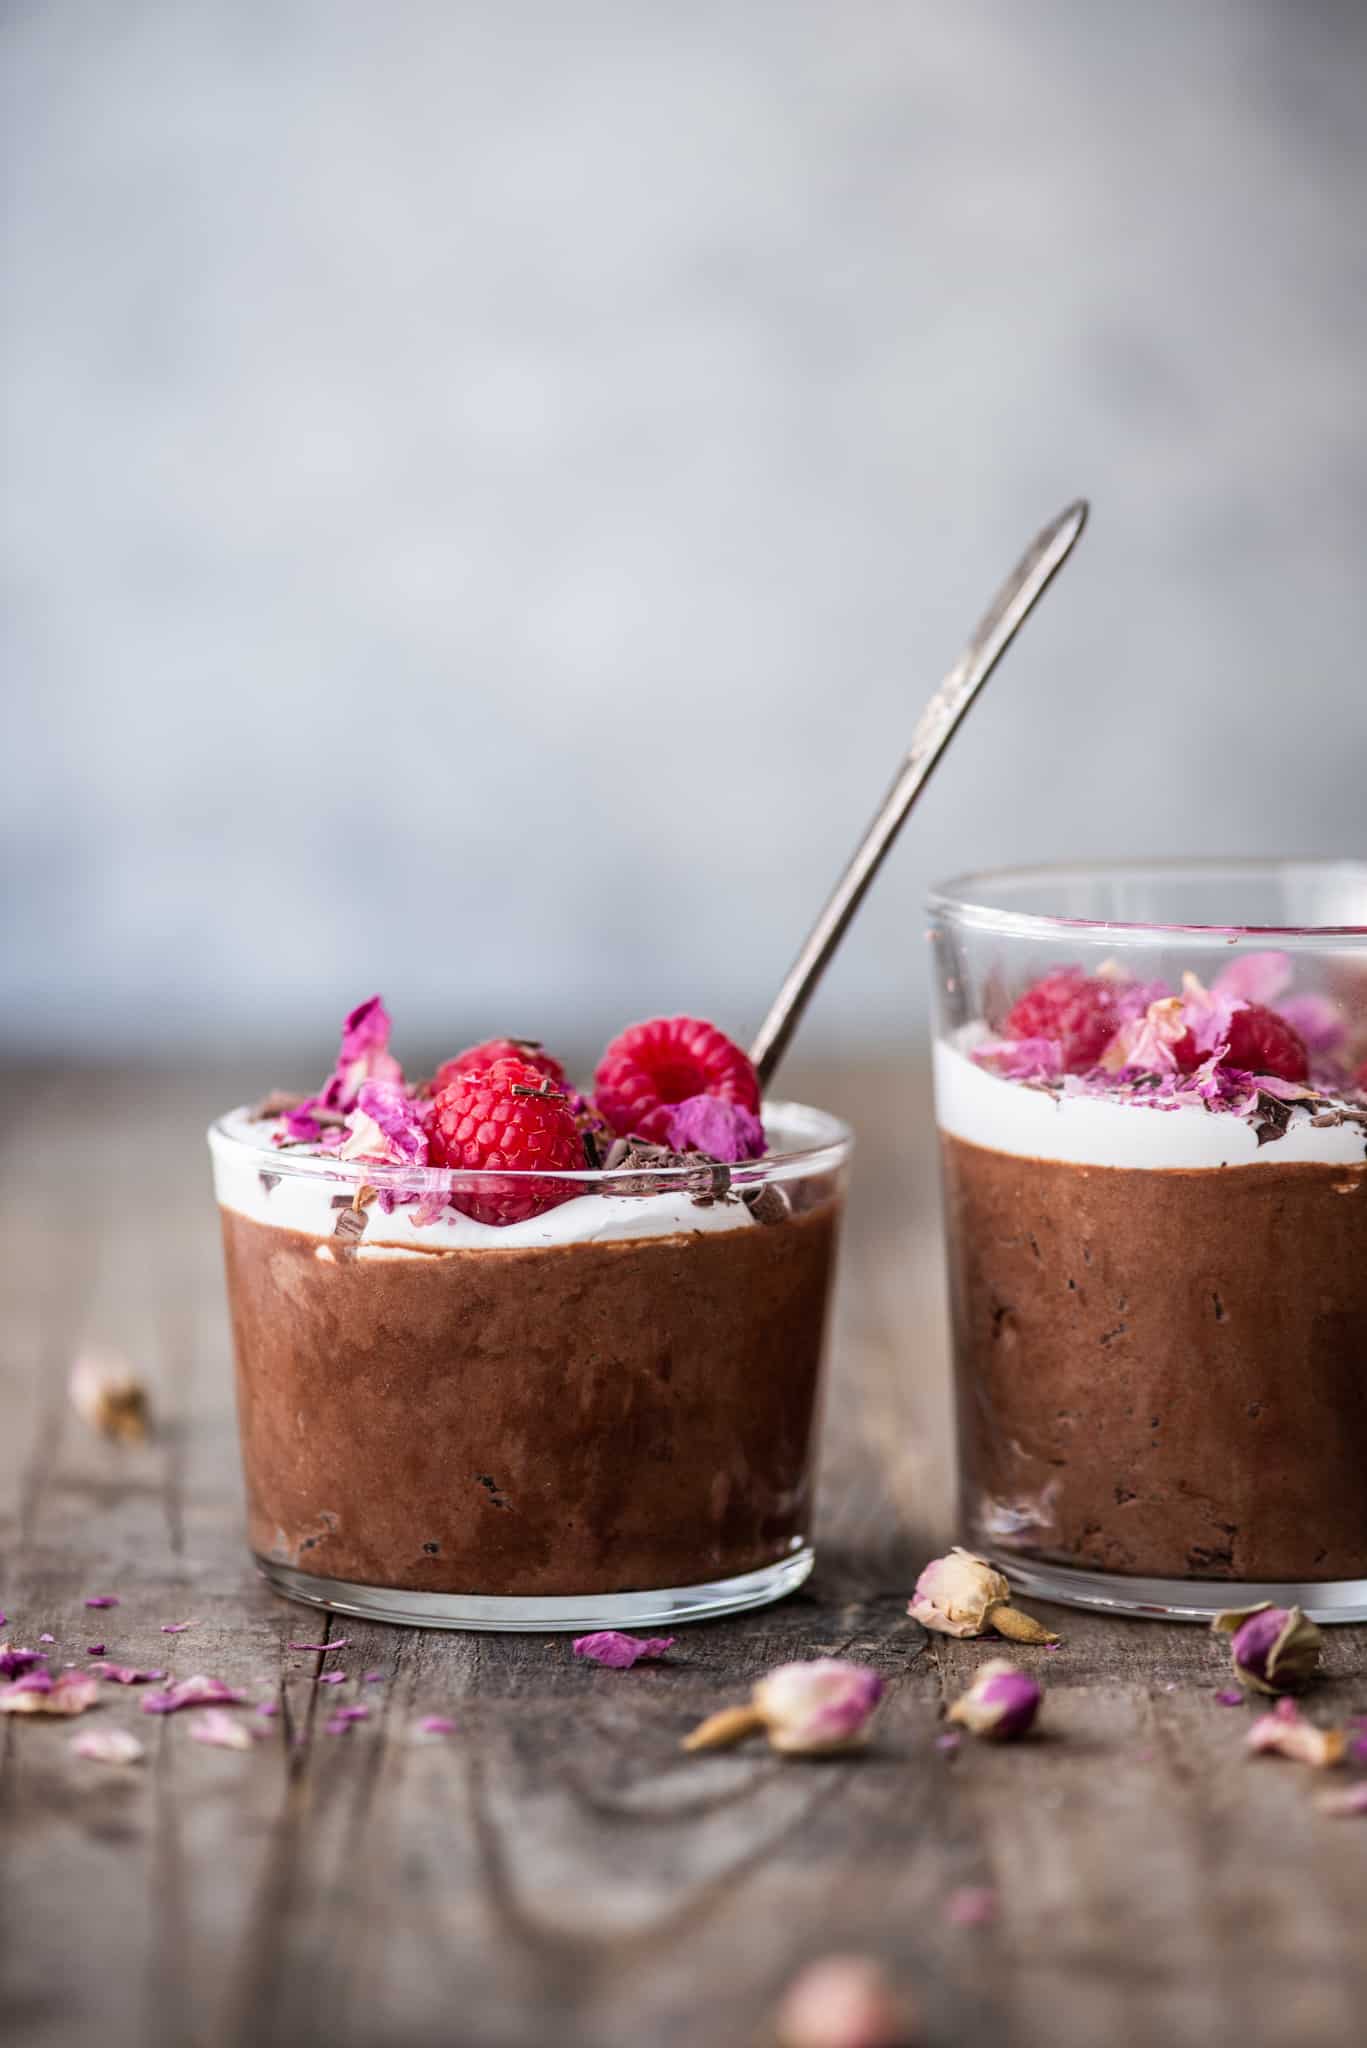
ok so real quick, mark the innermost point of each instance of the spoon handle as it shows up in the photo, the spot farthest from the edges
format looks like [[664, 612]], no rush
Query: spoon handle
[[1008, 611]]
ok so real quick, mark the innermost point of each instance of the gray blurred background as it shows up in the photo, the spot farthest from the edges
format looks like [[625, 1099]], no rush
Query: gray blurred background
[[488, 487]]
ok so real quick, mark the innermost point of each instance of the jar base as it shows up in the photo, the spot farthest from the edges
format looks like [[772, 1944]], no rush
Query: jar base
[[1326, 1600], [577, 1613]]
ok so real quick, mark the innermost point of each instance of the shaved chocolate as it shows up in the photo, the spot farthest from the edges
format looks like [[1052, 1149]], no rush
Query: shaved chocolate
[[350, 1223], [1270, 1118], [277, 1103], [767, 1204]]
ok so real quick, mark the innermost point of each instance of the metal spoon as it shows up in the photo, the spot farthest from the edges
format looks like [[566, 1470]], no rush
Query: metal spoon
[[935, 728]]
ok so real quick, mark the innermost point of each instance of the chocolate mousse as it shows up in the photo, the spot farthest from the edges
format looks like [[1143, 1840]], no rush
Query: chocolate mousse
[[499, 1341], [1158, 1284], [561, 1419]]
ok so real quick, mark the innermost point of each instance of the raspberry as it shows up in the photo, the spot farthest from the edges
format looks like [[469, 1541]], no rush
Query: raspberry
[[499, 1118], [476, 1058], [1262, 1042], [651, 1066], [1076, 1010]]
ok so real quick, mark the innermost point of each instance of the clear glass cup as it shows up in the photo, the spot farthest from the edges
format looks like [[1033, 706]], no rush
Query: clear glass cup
[[600, 1414], [1158, 1270]]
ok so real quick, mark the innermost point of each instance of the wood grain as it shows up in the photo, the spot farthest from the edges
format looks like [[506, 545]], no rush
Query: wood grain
[[556, 1870]]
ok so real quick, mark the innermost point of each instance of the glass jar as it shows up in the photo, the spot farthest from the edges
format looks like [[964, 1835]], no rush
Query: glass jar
[[1151, 1090], [600, 1413]]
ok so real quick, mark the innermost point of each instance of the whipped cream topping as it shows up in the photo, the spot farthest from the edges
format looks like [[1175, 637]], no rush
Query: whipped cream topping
[[253, 1178], [1034, 1122]]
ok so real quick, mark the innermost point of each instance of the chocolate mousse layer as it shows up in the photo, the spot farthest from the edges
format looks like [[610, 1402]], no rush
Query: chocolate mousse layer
[[583, 1418], [1162, 1372]]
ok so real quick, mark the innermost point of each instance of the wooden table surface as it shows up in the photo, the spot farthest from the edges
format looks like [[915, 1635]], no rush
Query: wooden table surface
[[556, 1871]]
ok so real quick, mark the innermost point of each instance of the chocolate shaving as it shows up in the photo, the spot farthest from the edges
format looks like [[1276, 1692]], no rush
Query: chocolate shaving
[[268, 1181], [350, 1223], [593, 1157], [1270, 1118], [277, 1103], [767, 1204]]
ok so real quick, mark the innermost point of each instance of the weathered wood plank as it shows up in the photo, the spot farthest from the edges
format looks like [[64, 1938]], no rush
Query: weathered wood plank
[[556, 1869]]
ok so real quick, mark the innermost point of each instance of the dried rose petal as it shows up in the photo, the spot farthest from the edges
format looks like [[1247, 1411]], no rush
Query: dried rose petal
[[841, 2002], [343, 1718], [972, 1905], [436, 1724], [372, 1678], [197, 1691], [125, 1674], [103, 1600], [949, 1741], [15, 1660], [964, 1595], [178, 1628], [221, 1730], [1001, 1703], [723, 1130], [619, 1652], [268, 1707], [1230, 1697], [1273, 1649], [45, 1637], [108, 1746], [1344, 1805], [341, 1643], [332, 1678], [1286, 1732], [94, 1649], [38, 1693], [386, 1125]]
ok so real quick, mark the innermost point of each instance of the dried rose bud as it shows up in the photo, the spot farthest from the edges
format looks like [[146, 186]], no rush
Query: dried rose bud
[[963, 1595], [1001, 1703], [1273, 1649], [841, 2002], [108, 1395], [1286, 1732], [813, 1709]]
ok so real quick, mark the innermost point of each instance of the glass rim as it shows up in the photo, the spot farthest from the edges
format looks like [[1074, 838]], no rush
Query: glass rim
[[830, 1150], [961, 898]]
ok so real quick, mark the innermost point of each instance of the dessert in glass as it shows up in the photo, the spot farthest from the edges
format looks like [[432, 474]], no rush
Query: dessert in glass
[[1151, 1089], [512, 1357]]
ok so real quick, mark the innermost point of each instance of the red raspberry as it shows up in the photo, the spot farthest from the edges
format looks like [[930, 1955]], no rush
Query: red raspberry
[[476, 1058], [1076, 1010], [500, 1119], [1262, 1042], [651, 1066]]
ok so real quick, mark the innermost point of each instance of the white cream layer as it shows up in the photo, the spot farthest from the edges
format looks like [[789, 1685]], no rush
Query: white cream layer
[[1093, 1130], [303, 1202]]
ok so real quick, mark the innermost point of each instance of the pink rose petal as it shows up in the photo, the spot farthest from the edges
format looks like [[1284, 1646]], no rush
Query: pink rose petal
[[37, 1693], [1229, 1697], [619, 1652], [373, 1678], [972, 1905], [197, 1691], [108, 1746], [268, 1707], [104, 1600], [94, 1649], [341, 1643], [437, 1724], [15, 1661], [125, 1674], [46, 1638], [221, 1730], [333, 1678], [178, 1628]]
